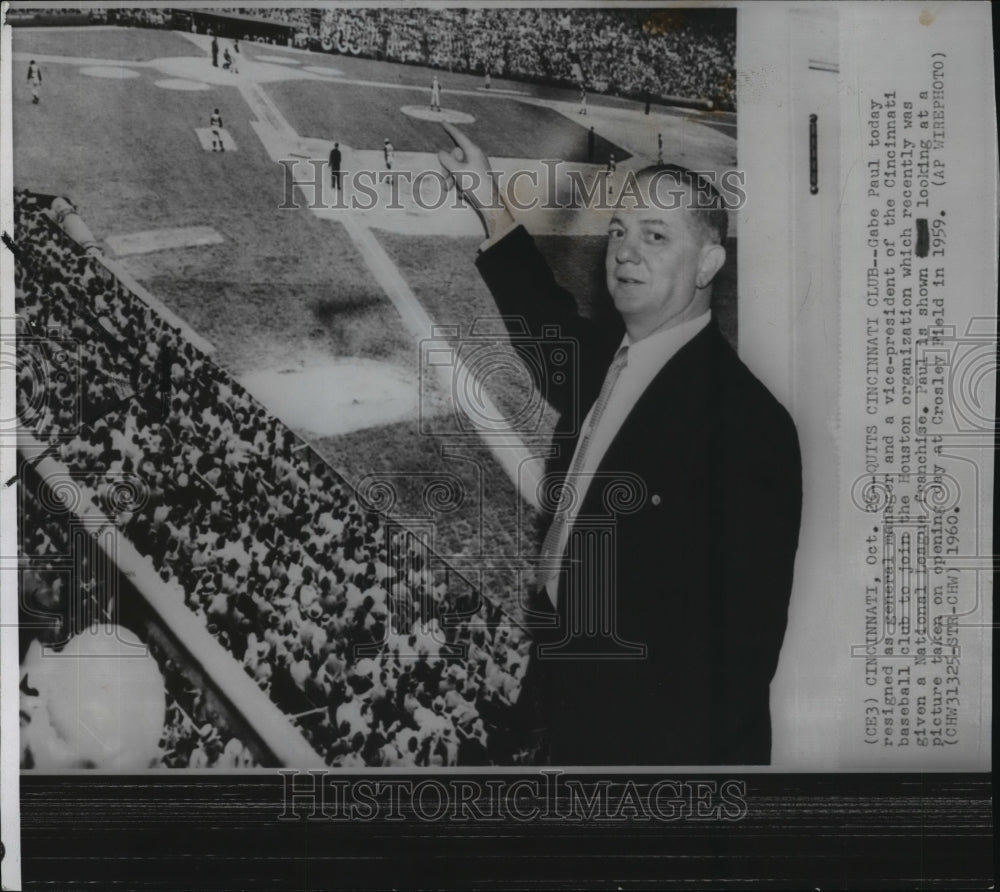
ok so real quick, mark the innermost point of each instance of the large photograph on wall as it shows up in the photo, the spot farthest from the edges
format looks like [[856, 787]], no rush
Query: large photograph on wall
[[278, 451]]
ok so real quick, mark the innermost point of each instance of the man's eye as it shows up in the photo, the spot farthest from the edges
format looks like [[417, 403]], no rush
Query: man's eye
[[655, 237], [615, 233]]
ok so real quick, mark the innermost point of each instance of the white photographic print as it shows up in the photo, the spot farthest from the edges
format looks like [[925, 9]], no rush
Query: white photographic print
[[496, 389]]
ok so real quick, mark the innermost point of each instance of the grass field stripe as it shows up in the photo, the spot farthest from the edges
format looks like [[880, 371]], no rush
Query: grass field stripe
[[266, 111], [78, 60]]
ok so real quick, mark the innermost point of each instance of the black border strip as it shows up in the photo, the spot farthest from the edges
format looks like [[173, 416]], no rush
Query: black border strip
[[906, 831]]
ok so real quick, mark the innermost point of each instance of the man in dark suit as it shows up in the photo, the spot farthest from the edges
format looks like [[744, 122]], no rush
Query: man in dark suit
[[666, 577]]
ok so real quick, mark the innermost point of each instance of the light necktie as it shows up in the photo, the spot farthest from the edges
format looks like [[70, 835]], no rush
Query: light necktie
[[555, 539]]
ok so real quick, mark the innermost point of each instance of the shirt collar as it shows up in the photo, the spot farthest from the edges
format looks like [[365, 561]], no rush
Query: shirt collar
[[658, 348]]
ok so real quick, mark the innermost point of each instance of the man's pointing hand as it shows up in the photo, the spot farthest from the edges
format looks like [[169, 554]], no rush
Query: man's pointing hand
[[469, 167]]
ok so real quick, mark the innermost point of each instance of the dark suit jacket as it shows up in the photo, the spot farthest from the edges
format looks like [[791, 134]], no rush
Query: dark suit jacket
[[705, 522]]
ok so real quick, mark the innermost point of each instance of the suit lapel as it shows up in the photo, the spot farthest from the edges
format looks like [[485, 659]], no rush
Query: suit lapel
[[674, 401]]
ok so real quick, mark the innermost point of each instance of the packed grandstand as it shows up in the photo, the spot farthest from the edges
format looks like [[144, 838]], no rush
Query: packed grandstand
[[377, 653], [666, 55]]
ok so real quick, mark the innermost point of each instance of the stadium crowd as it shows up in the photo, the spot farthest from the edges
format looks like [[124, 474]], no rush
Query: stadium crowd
[[651, 56], [660, 55], [194, 735], [379, 656]]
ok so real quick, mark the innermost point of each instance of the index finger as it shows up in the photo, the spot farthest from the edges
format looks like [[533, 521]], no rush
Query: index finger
[[461, 140]]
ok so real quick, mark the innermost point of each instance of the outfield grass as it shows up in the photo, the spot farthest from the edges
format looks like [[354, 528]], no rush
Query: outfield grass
[[127, 44], [97, 140], [362, 117], [275, 323], [282, 283]]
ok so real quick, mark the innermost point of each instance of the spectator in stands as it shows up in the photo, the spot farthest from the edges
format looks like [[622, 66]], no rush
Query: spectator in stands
[[683, 53]]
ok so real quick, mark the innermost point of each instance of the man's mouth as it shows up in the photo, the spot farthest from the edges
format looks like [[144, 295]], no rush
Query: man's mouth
[[628, 280]]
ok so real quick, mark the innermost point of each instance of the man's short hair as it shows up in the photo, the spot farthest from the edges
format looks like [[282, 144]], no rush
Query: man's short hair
[[706, 205]]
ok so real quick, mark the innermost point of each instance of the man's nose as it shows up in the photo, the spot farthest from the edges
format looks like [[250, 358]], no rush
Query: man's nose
[[626, 252]]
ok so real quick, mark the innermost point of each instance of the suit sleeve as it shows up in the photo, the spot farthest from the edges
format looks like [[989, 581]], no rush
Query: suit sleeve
[[759, 529], [538, 312]]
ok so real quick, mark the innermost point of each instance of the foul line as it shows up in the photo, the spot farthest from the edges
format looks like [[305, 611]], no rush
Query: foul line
[[518, 463], [264, 108]]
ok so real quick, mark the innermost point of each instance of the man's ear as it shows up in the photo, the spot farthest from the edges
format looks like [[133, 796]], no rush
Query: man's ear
[[709, 263]]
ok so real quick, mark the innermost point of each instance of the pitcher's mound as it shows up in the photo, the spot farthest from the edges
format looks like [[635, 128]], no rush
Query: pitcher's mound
[[338, 397]]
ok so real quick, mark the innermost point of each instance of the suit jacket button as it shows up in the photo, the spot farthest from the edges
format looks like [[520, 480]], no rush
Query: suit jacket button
[[655, 500]]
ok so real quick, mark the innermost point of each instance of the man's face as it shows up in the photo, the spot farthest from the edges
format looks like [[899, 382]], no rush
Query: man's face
[[652, 266]]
